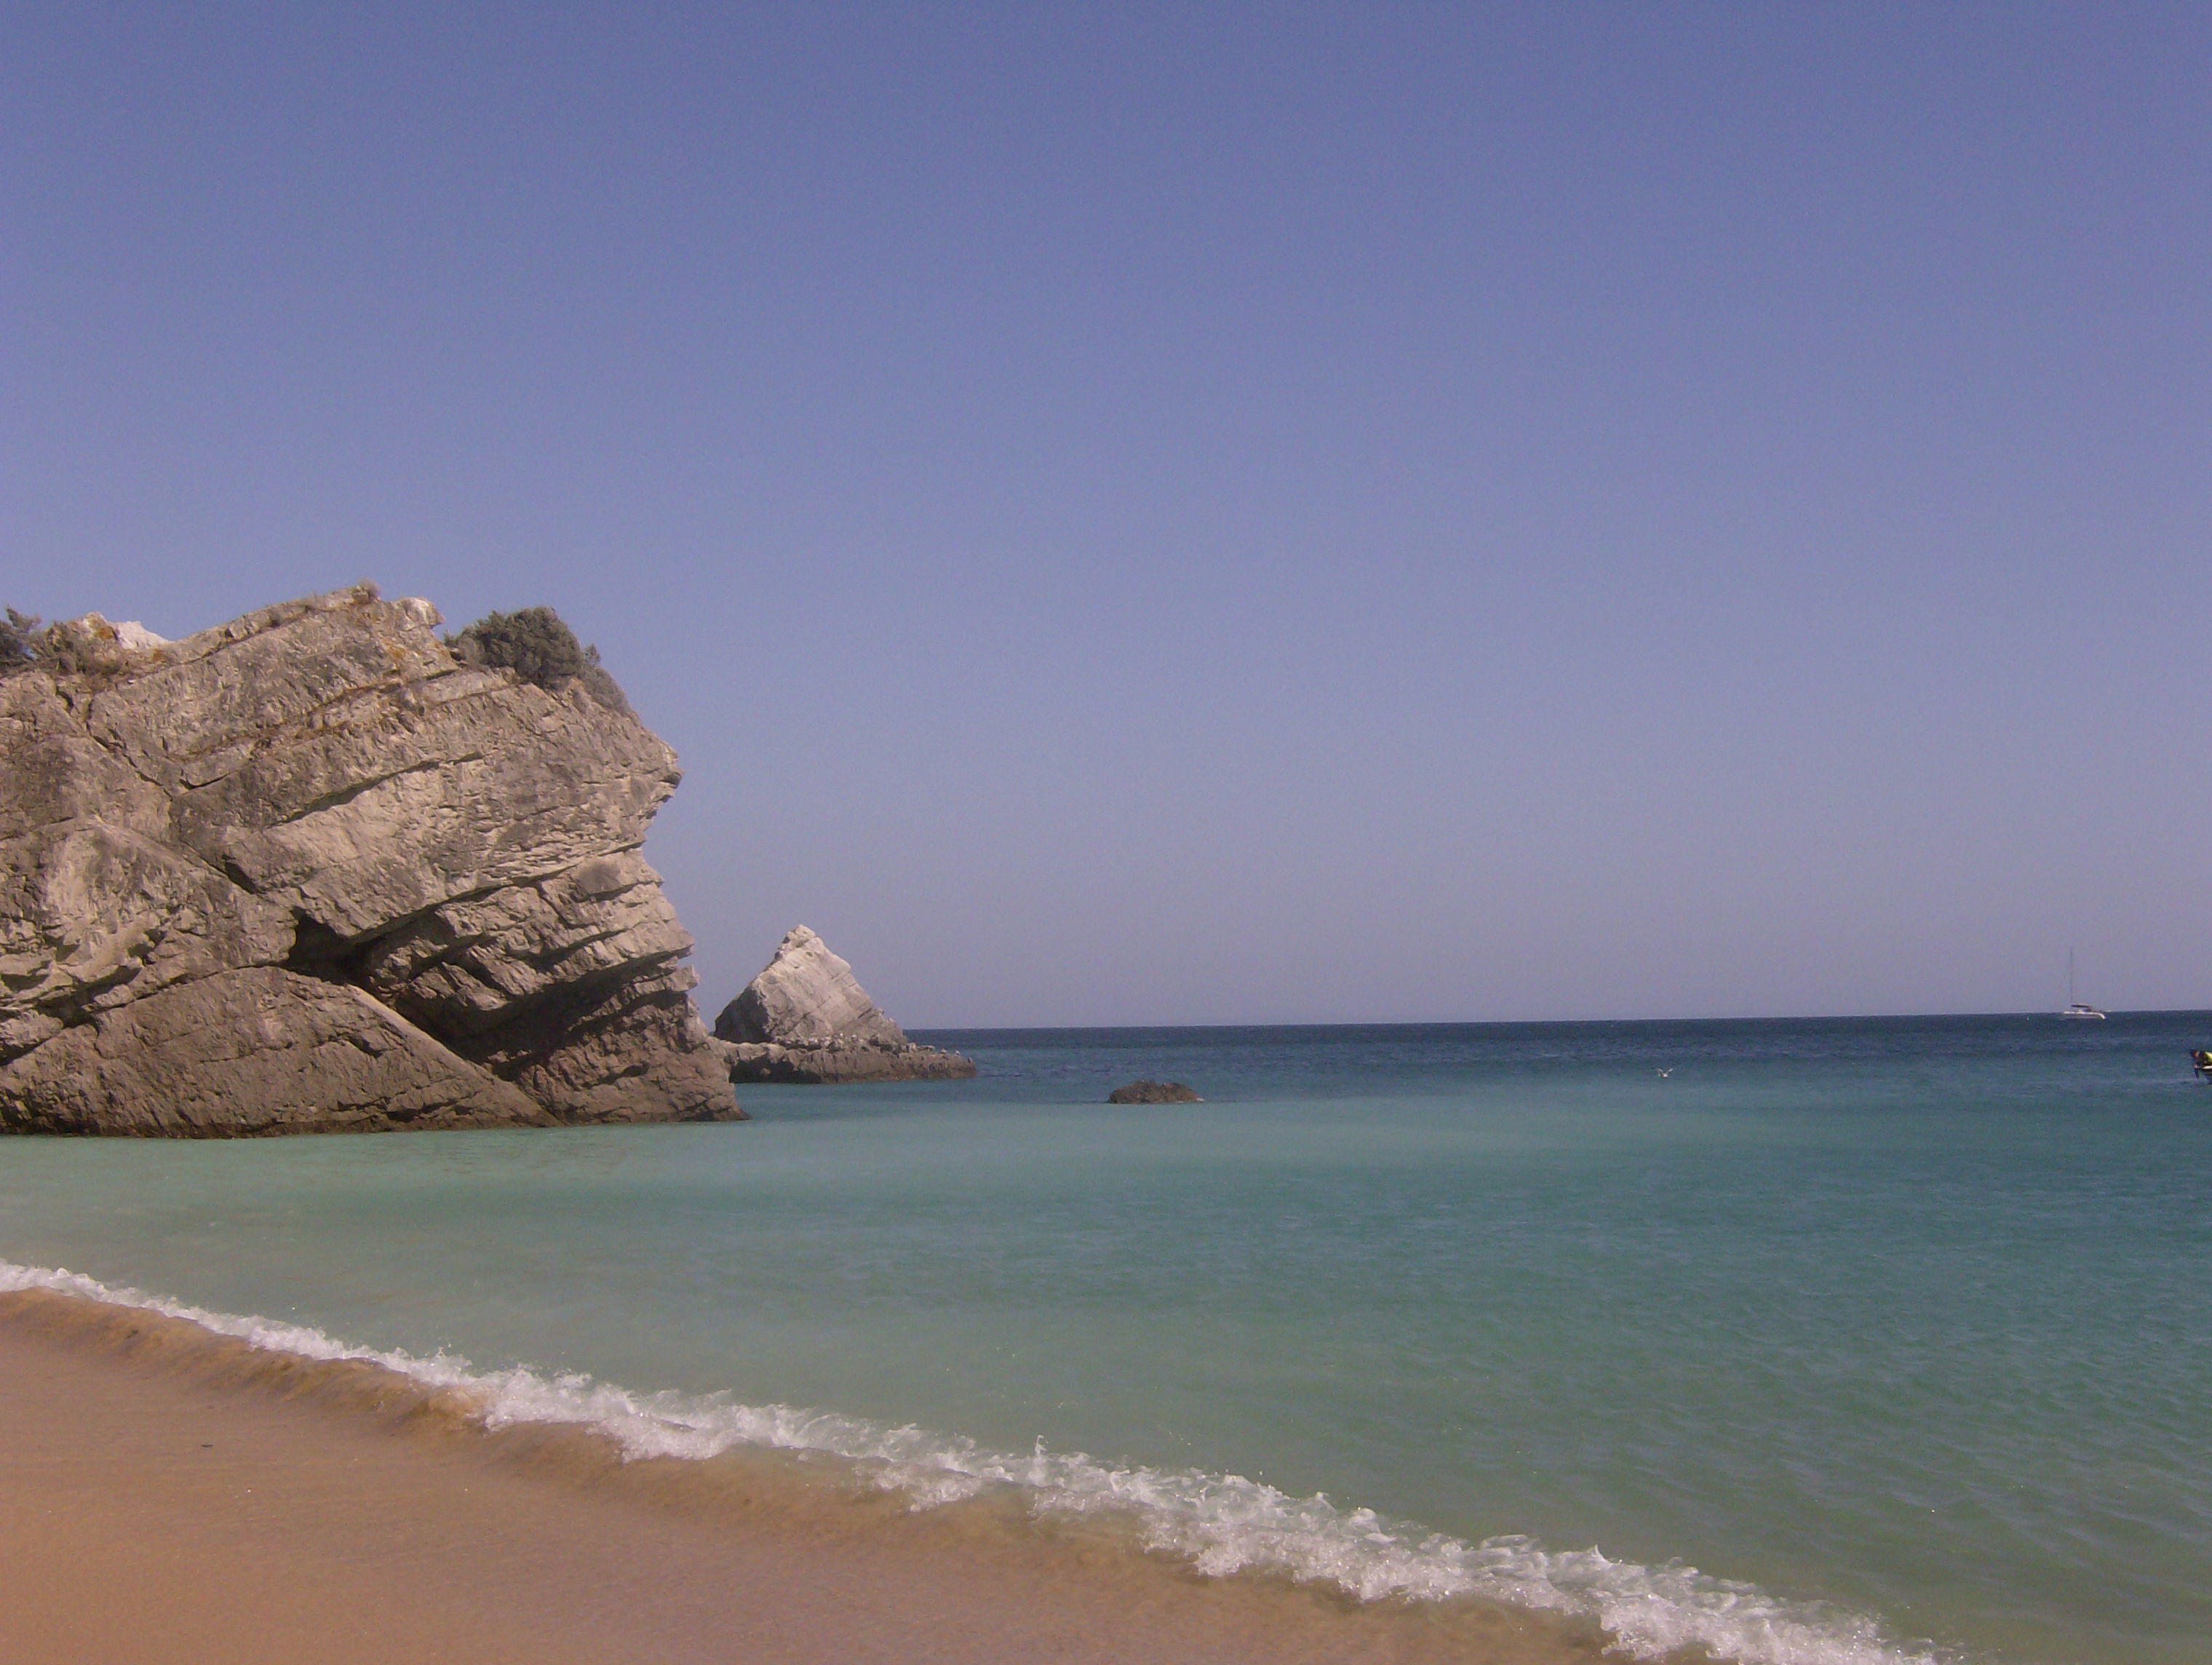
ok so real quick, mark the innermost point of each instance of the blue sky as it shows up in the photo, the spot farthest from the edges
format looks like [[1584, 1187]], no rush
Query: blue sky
[[1203, 513]]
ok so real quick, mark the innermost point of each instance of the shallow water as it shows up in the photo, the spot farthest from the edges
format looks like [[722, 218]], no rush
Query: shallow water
[[1897, 1320]]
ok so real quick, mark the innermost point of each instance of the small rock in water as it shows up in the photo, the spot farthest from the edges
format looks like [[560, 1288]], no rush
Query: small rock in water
[[806, 1018], [1153, 1092]]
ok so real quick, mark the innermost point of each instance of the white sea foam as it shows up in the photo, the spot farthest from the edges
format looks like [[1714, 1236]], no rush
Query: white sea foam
[[1221, 1524]]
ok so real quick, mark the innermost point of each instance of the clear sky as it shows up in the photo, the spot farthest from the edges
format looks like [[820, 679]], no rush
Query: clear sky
[[1198, 512]]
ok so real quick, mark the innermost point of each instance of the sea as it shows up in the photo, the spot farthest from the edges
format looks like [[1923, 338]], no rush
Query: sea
[[1806, 1341]]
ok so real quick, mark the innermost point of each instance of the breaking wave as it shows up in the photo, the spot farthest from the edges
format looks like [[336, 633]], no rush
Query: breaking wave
[[1219, 1524]]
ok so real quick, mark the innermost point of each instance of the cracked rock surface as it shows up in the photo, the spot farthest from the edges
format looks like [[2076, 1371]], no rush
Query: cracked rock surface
[[806, 1018], [308, 871]]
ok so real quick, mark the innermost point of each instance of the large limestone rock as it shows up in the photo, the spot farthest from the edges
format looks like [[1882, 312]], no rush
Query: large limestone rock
[[806, 1018], [308, 871]]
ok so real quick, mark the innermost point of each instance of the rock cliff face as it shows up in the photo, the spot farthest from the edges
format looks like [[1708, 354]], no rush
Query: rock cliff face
[[805, 1018], [308, 871]]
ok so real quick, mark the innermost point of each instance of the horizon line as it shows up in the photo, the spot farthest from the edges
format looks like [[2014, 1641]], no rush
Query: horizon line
[[1528, 1023]]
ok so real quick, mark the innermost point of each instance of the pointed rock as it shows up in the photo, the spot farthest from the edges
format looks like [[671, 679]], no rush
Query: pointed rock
[[806, 1018]]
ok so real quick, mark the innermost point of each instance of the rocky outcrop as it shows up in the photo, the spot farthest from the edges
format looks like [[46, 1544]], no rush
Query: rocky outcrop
[[308, 871], [1153, 1092], [806, 1018]]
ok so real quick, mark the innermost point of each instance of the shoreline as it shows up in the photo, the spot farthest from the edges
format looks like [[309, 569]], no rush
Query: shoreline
[[180, 1492]]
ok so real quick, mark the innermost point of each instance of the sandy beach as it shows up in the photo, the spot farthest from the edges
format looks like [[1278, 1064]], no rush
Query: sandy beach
[[174, 1495]]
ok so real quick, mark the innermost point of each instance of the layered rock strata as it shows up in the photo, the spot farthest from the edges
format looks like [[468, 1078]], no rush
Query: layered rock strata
[[308, 871], [806, 1018]]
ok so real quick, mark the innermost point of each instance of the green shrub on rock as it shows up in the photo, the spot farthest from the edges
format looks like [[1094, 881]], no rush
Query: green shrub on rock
[[535, 644]]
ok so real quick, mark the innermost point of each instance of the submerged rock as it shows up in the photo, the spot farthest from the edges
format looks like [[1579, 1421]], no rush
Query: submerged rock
[[806, 1018], [1153, 1092], [308, 871]]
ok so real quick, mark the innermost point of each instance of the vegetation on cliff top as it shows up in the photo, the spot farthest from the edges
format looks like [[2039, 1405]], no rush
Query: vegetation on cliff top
[[533, 643], [538, 647]]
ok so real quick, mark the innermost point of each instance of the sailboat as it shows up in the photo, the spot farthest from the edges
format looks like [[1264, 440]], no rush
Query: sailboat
[[2076, 1008]]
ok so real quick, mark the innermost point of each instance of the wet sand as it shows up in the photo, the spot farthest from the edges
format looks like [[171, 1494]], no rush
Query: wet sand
[[167, 1495]]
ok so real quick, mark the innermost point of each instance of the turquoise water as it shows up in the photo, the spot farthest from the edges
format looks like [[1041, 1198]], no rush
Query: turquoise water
[[1903, 1322]]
